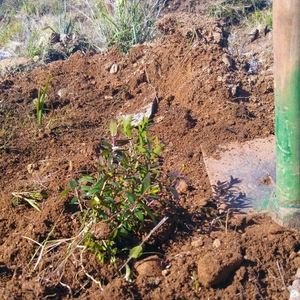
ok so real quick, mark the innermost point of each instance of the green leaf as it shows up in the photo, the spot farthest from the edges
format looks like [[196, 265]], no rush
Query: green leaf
[[173, 191], [38, 195], [122, 142], [139, 215], [141, 149], [149, 212], [136, 251], [94, 201], [113, 127], [41, 100], [127, 126], [106, 144], [109, 200], [74, 200], [123, 231], [73, 184], [92, 191], [105, 154], [115, 185], [155, 189], [85, 188], [89, 179], [101, 257], [32, 202], [64, 193], [141, 142], [156, 151], [100, 182], [114, 234], [173, 177], [144, 133], [152, 197], [131, 197], [144, 170], [146, 183]]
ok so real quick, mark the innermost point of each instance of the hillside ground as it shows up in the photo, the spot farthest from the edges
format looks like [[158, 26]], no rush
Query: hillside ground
[[209, 89]]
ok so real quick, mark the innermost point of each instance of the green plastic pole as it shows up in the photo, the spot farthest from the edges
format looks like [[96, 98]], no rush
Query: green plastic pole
[[285, 206]]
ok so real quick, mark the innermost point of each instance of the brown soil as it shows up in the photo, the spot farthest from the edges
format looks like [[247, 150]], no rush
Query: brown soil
[[205, 97]]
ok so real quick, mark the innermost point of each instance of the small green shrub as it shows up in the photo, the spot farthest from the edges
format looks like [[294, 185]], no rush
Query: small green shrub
[[117, 201]]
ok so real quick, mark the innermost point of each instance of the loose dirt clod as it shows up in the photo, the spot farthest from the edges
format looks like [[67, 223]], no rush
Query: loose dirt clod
[[221, 265], [149, 267]]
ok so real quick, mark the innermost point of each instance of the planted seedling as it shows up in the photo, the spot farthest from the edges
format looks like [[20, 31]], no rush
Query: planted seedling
[[40, 101], [118, 199]]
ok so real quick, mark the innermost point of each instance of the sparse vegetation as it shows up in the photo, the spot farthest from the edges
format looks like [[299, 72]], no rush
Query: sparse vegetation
[[124, 23], [77, 25], [52, 30], [235, 11], [262, 17]]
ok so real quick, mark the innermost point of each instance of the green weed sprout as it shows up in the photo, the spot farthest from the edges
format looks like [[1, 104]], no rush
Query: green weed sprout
[[32, 198], [40, 102], [121, 196]]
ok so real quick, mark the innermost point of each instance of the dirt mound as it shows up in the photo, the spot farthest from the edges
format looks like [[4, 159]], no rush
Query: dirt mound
[[205, 96]]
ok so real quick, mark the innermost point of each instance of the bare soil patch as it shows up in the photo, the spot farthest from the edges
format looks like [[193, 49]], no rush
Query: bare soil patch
[[205, 96]]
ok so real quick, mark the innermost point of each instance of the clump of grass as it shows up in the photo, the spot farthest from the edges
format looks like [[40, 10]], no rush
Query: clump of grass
[[235, 11], [64, 23], [34, 45], [123, 22], [10, 29], [262, 17]]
